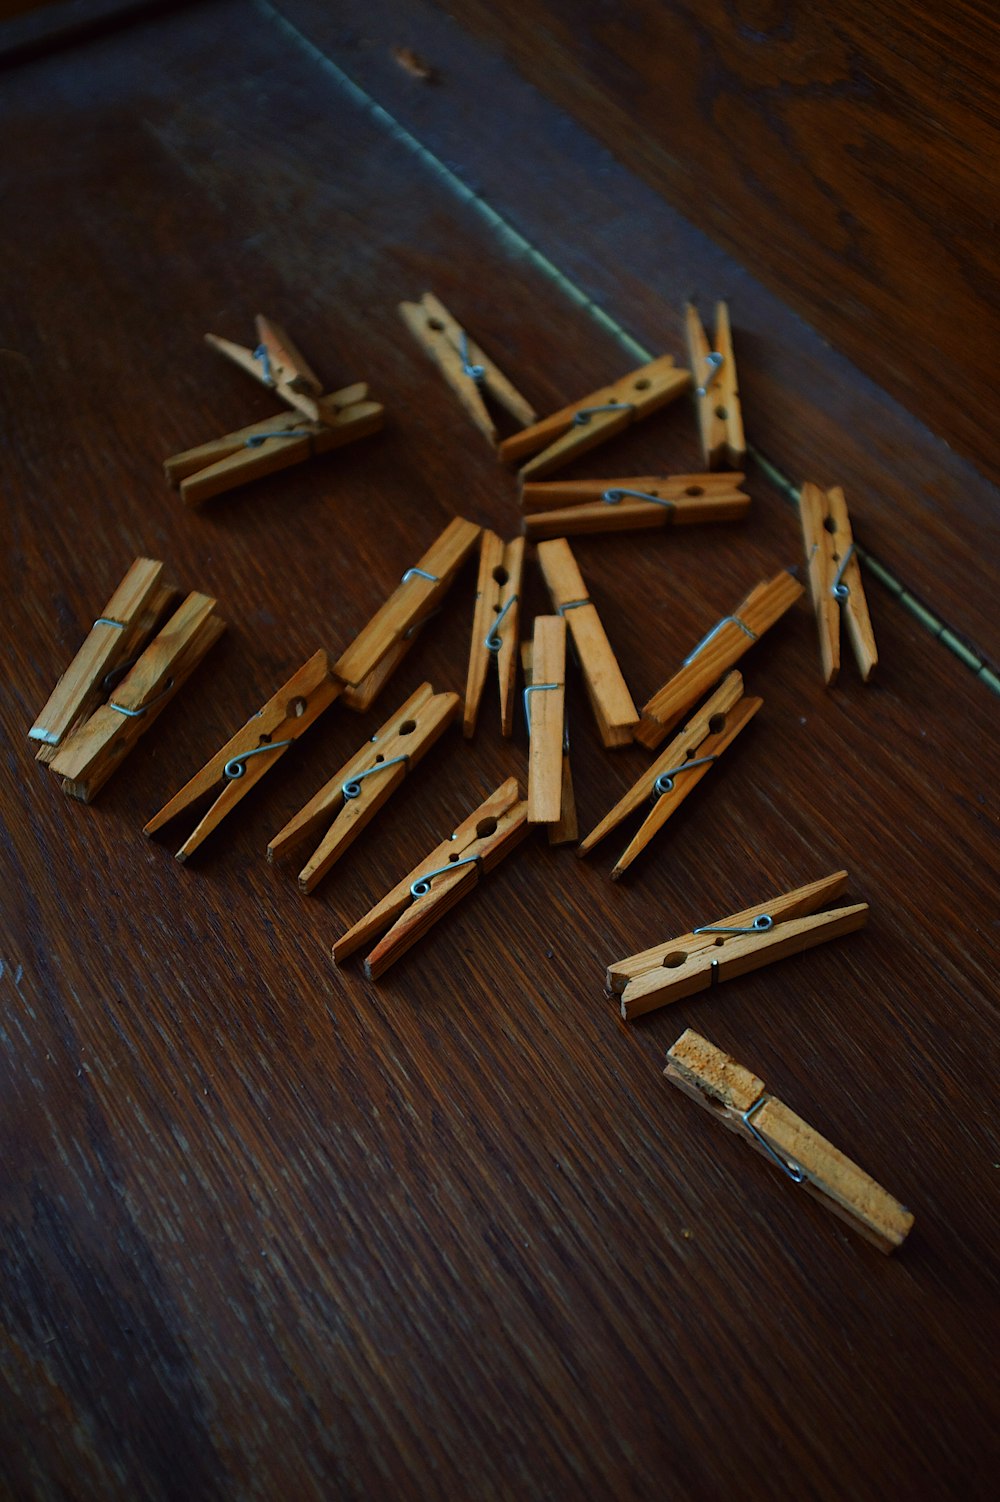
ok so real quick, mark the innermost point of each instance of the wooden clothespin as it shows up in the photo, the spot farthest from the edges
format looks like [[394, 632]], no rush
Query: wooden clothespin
[[277, 364], [545, 714], [732, 946], [118, 634], [470, 373], [835, 580], [352, 798], [575, 429], [610, 700], [253, 751], [565, 831], [716, 391], [678, 769], [724, 645], [740, 1100], [98, 746], [568, 508], [273, 444], [380, 647], [438, 882], [494, 628]]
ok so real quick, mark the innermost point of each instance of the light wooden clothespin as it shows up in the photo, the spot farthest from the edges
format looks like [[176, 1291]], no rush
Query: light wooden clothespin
[[438, 882], [545, 714], [277, 364], [273, 444], [740, 1100], [469, 372], [724, 645], [732, 946], [835, 580], [252, 752], [575, 429], [610, 700], [565, 831], [99, 745], [352, 798], [494, 628], [568, 508], [678, 769], [716, 391], [380, 647]]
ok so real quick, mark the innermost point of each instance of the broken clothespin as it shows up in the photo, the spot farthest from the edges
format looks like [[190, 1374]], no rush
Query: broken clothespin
[[575, 429], [352, 798], [277, 364], [723, 646], [678, 769], [371, 659], [835, 580], [440, 881], [565, 830], [741, 1102], [494, 628], [610, 700], [253, 751], [569, 508], [733, 946], [545, 715], [273, 444], [470, 373], [716, 389]]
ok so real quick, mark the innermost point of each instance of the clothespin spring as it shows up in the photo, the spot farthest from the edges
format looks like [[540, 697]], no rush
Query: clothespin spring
[[715, 362], [135, 714], [760, 925], [534, 688], [493, 640], [261, 354], [838, 590], [726, 620], [475, 373], [787, 1165], [256, 439], [352, 788], [419, 573], [665, 782], [581, 418], [616, 493], [236, 766], [422, 885]]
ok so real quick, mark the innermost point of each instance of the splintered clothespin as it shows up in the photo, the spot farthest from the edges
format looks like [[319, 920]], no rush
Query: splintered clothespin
[[252, 751], [568, 508], [573, 430], [439, 881], [99, 745], [740, 1100], [277, 364], [716, 390], [494, 628], [545, 715], [610, 700], [469, 372], [273, 444], [678, 769], [724, 645], [565, 830], [352, 798], [835, 580], [732, 946], [380, 647]]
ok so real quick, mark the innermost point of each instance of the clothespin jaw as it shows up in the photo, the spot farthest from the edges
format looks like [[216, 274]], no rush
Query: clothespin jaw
[[468, 371], [354, 795], [252, 752], [277, 364], [565, 831], [427, 892], [575, 429], [610, 700], [724, 645], [545, 713], [275, 443], [716, 390], [835, 582], [371, 659], [98, 746], [678, 770], [779, 926], [494, 628], [739, 1099], [568, 508]]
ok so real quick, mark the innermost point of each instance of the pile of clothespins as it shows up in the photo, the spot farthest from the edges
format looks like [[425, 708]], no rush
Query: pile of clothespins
[[145, 644]]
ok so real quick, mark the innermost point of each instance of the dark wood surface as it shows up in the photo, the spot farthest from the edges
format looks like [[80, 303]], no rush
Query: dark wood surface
[[271, 1229], [845, 154]]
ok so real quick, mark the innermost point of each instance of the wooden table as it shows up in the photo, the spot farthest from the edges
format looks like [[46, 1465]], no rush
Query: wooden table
[[271, 1229]]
